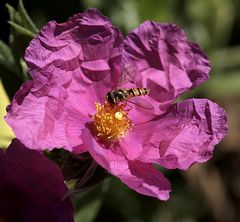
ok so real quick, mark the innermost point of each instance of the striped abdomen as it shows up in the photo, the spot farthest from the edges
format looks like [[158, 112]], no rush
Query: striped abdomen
[[119, 95]]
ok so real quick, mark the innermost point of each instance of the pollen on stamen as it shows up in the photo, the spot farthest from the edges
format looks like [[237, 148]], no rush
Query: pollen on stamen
[[111, 121]]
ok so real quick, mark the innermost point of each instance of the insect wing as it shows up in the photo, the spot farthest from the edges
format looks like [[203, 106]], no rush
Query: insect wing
[[142, 103], [127, 75]]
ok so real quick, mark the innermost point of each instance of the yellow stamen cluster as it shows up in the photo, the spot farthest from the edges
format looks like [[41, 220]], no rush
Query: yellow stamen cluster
[[111, 121]]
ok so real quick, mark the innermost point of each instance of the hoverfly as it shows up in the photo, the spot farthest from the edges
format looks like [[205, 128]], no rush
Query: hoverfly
[[121, 95]]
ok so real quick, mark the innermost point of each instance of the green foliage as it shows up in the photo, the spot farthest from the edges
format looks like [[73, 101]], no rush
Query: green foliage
[[21, 32], [87, 205], [13, 69], [27, 23], [6, 57]]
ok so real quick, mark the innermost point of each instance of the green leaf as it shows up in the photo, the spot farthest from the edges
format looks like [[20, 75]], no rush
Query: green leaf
[[226, 58], [10, 80], [24, 67], [22, 30], [88, 212], [87, 205], [6, 57], [13, 14], [26, 20], [225, 84], [219, 86]]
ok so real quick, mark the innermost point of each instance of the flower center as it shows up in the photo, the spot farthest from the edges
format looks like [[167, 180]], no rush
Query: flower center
[[111, 121]]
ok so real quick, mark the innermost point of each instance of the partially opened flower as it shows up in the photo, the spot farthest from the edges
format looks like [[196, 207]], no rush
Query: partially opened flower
[[31, 188], [75, 64]]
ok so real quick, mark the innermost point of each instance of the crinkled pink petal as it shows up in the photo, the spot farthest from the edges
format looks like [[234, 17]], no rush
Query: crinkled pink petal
[[73, 65], [86, 49], [165, 62], [43, 115], [132, 145], [32, 187], [142, 109], [186, 134], [142, 177]]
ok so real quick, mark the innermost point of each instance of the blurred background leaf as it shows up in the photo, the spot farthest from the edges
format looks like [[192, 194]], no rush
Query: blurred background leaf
[[88, 204], [6, 133]]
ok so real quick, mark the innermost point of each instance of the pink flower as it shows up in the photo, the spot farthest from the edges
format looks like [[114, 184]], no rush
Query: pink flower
[[74, 64], [32, 187]]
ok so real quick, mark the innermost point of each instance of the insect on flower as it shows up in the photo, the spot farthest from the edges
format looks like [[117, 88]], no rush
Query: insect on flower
[[118, 95]]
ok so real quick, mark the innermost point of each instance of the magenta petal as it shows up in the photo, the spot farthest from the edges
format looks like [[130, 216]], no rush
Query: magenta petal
[[73, 65], [141, 177], [186, 134], [44, 116], [86, 48], [147, 180], [32, 187], [133, 144], [166, 62]]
